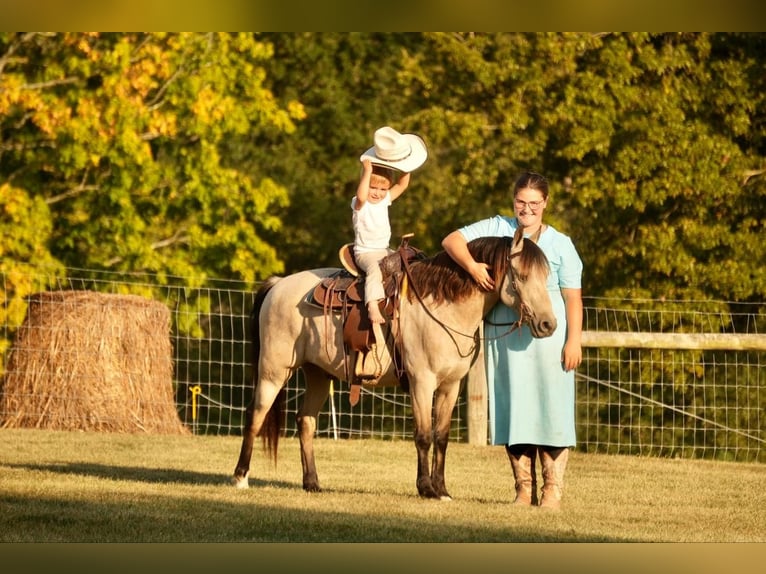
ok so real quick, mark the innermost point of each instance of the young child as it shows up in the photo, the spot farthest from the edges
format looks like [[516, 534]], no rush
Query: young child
[[378, 187]]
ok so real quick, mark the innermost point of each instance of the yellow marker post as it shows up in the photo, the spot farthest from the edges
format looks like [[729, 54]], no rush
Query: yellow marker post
[[195, 390]]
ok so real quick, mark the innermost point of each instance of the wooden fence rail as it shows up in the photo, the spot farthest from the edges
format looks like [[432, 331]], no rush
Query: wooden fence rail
[[685, 341], [476, 381]]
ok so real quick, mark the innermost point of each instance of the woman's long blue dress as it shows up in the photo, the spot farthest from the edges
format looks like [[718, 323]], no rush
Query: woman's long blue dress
[[531, 396]]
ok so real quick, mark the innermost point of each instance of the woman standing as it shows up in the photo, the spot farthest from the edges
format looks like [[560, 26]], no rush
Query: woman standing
[[531, 381]]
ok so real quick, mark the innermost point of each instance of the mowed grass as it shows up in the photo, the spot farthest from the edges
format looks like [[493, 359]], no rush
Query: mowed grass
[[94, 487]]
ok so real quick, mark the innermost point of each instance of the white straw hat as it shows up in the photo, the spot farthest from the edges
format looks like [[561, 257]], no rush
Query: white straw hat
[[403, 152]]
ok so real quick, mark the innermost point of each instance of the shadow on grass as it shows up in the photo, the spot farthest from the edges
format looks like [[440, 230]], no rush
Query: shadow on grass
[[157, 517], [142, 474], [153, 518]]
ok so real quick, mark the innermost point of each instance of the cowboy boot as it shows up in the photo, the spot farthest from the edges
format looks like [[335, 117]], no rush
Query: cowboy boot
[[554, 462], [522, 457]]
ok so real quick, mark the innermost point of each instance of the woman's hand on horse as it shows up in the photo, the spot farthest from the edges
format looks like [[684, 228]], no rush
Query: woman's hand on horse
[[480, 274]]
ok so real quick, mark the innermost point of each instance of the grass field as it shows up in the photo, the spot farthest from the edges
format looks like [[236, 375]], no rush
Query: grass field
[[91, 487]]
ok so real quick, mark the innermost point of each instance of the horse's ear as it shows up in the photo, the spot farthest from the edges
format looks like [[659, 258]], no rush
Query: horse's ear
[[518, 238]]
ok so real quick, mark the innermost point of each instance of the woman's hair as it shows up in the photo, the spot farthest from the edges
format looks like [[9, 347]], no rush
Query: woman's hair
[[532, 180]]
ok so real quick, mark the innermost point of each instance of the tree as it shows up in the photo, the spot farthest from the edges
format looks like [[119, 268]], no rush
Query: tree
[[121, 137], [347, 84], [658, 135], [180, 154], [112, 158], [652, 142]]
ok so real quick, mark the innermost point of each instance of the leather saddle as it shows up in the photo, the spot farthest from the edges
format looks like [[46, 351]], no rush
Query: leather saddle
[[343, 293]]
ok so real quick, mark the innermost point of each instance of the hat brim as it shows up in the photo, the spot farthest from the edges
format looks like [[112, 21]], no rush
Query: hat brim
[[417, 157]]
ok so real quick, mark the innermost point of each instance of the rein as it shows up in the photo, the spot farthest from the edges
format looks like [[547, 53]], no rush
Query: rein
[[449, 330], [524, 312]]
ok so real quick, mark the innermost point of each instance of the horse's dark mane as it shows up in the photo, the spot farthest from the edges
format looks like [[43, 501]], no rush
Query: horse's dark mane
[[444, 280]]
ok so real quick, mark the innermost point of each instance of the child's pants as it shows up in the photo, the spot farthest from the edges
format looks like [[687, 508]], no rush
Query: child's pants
[[369, 263]]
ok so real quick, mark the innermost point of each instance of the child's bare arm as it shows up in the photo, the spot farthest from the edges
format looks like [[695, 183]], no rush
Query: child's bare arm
[[400, 186], [363, 190]]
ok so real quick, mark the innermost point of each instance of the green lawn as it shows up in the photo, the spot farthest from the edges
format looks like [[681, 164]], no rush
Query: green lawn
[[91, 487]]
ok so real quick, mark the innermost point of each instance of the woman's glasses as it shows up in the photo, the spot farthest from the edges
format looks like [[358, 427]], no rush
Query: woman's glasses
[[533, 205]]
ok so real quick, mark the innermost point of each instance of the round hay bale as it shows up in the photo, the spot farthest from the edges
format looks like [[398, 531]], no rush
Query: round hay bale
[[91, 361]]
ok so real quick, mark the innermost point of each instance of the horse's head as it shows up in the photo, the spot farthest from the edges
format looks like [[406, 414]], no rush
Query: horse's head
[[520, 271], [523, 286]]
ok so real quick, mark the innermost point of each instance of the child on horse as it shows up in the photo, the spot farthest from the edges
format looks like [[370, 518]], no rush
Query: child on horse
[[386, 169]]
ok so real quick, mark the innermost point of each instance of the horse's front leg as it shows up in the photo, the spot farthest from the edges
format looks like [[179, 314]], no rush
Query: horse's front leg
[[317, 391], [421, 394], [444, 405]]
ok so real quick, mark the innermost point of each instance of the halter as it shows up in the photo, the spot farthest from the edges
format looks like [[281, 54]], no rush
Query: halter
[[525, 312]]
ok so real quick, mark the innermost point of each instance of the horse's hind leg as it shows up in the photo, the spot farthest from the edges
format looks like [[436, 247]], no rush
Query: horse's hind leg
[[265, 395], [246, 450], [317, 391]]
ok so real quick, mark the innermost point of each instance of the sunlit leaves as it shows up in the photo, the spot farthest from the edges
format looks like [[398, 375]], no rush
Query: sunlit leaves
[[122, 135], [236, 155], [25, 263]]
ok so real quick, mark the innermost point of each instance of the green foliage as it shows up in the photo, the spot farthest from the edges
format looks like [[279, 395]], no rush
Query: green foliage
[[26, 266], [112, 157], [121, 136], [662, 189], [236, 155], [653, 144]]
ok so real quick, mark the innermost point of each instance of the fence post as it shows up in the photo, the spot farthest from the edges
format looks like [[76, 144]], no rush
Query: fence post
[[477, 397]]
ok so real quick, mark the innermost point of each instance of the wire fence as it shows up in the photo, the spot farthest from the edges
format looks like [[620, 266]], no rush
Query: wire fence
[[674, 378], [699, 402]]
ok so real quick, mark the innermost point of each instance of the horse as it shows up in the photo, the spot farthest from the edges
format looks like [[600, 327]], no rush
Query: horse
[[432, 339]]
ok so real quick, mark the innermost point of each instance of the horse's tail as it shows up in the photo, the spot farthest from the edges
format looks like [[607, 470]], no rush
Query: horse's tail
[[255, 319], [272, 424]]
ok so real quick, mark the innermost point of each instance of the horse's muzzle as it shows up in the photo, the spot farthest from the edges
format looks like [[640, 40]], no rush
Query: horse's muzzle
[[543, 327]]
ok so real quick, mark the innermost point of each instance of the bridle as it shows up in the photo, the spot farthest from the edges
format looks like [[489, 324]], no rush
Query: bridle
[[526, 314]]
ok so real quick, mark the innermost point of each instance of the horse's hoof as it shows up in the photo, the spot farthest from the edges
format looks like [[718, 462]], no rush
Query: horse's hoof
[[428, 494], [445, 497], [239, 482]]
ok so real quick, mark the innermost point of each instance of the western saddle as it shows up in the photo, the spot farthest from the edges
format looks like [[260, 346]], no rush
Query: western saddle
[[343, 293]]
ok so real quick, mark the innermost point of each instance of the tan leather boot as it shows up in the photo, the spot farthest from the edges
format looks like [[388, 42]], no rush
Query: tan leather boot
[[522, 457], [554, 463]]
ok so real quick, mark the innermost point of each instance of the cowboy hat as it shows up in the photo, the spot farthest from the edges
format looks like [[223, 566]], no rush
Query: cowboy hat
[[403, 152]]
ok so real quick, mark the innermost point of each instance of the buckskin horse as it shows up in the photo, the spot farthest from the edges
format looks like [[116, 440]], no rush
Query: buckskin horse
[[434, 331]]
